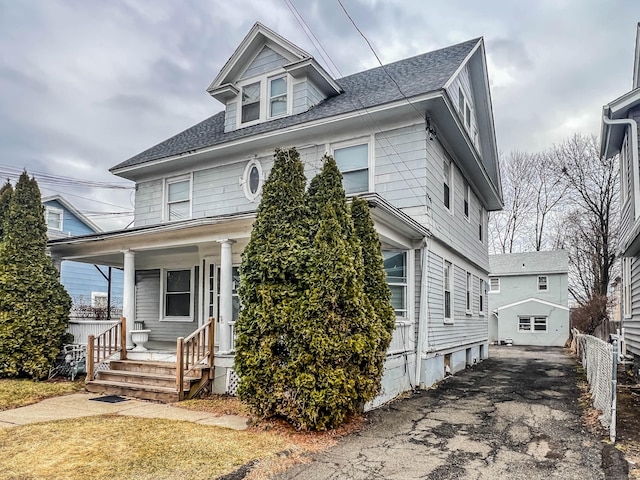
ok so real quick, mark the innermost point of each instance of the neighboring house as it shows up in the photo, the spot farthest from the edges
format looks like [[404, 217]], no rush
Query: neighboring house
[[88, 285], [528, 298], [619, 136], [420, 148]]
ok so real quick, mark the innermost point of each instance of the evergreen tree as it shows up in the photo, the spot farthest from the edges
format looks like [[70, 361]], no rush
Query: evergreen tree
[[375, 285], [5, 197], [34, 306], [272, 272]]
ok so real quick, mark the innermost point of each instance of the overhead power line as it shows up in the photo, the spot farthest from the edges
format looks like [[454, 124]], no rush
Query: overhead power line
[[47, 178]]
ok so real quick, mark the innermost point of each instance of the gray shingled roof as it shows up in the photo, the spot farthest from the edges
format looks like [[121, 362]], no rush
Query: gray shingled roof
[[530, 263], [415, 76]]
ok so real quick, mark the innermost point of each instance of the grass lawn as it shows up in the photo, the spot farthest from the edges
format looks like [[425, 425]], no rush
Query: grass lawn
[[18, 393], [119, 447]]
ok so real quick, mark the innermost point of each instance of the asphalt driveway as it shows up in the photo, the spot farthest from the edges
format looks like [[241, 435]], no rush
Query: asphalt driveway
[[514, 416]]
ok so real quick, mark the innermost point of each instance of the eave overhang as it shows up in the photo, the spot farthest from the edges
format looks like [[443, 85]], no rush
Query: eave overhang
[[224, 93], [308, 67], [612, 136]]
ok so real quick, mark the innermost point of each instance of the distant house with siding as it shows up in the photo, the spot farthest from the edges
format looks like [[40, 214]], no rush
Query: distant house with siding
[[415, 138], [87, 284], [528, 298]]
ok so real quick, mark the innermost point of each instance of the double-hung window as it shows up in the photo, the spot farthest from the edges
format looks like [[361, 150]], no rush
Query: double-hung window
[[353, 162], [395, 265], [446, 173], [448, 314], [468, 299], [277, 96], [626, 286], [251, 102], [177, 294], [467, 188], [481, 224], [178, 198], [54, 218], [494, 285], [543, 283], [482, 298]]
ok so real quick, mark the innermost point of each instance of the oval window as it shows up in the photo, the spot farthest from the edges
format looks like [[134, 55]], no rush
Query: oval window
[[254, 179]]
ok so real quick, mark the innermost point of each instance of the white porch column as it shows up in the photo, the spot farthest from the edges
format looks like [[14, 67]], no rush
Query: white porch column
[[129, 293], [226, 295]]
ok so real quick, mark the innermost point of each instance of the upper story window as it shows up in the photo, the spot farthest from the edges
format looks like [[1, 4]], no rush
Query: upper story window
[[467, 194], [54, 217], [542, 283], [252, 180], [178, 198], [446, 174], [395, 265], [495, 284], [277, 96], [251, 102], [481, 224], [353, 162]]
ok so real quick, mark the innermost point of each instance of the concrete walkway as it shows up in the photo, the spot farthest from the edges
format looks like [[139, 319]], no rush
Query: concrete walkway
[[79, 405]]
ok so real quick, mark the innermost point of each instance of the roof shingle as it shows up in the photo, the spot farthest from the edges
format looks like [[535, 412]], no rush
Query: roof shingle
[[529, 263]]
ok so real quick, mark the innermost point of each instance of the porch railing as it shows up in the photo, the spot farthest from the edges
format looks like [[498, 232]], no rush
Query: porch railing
[[104, 346], [81, 329], [193, 351]]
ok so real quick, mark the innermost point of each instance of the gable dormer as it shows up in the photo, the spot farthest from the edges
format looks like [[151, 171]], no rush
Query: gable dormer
[[268, 77]]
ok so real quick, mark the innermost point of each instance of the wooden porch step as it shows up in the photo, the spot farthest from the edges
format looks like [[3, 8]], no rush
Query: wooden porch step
[[144, 366], [145, 378], [145, 392]]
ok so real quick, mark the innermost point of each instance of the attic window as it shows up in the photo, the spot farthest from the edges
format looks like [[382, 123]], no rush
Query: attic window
[[277, 96], [251, 102], [54, 218]]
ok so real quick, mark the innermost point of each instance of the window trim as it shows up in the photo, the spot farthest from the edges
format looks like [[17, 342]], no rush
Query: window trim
[[404, 285], [270, 97], [626, 287], [482, 297], [469, 296], [163, 288], [482, 234], [265, 89], [245, 181], [177, 179], [448, 182], [447, 265], [546, 283], [354, 143], [531, 321], [466, 202], [56, 211], [491, 289]]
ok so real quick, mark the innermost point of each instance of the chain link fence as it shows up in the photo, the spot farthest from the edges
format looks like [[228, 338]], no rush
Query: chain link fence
[[599, 360]]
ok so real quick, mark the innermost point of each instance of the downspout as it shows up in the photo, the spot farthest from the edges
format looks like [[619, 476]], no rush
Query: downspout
[[634, 153], [423, 313]]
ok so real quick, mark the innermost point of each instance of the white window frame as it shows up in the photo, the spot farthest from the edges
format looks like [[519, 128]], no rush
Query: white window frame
[[245, 181], [447, 266], [545, 283], [466, 202], [54, 211], [626, 287], [265, 103], [491, 288], [469, 296], [271, 97], [165, 198], [260, 102], [163, 292], [99, 295], [482, 297], [401, 313], [448, 182], [354, 143], [532, 321]]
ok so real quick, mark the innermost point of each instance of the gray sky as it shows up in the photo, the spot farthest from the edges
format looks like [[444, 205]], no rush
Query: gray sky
[[86, 84]]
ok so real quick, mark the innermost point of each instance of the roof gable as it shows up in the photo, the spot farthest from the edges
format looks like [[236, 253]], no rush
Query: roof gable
[[418, 75], [62, 202]]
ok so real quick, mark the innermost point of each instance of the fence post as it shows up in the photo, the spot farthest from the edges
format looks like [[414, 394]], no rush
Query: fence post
[[614, 384], [90, 366]]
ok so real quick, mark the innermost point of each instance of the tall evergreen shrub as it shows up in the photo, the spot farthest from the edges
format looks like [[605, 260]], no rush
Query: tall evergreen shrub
[[271, 286], [5, 197], [34, 306]]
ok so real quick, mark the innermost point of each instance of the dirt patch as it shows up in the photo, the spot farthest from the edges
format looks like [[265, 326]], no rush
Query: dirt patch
[[628, 424]]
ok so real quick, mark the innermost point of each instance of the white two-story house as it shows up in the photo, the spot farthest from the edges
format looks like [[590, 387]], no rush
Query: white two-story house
[[415, 138], [619, 136]]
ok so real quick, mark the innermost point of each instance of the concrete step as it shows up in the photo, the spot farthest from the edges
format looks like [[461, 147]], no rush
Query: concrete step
[[144, 378], [144, 392]]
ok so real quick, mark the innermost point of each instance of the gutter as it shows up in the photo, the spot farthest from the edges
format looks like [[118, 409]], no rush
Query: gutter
[[424, 310], [634, 153]]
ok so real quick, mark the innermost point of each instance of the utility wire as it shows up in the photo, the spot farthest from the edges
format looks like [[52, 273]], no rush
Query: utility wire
[[47, 178], [83, 198]]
